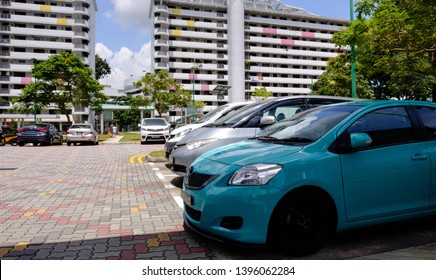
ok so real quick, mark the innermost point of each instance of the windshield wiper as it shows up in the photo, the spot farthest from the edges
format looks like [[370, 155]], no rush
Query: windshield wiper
[[267, 138]]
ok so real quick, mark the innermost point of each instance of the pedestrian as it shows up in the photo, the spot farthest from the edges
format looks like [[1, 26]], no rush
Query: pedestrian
[[111, 125], [114, 130]]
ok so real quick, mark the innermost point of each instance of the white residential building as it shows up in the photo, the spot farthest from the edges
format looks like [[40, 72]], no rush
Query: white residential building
[[34, 30], [245, 44]]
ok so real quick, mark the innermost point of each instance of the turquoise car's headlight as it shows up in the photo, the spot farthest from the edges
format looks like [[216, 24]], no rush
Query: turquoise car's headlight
[[198, 144], [255, 174]]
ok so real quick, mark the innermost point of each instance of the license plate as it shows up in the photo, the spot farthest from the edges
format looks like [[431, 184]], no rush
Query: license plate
[[154, 136], [187, 198]]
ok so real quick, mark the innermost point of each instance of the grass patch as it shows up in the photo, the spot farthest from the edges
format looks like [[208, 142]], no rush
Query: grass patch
[[130, 137], [102, 137], [157, 154]]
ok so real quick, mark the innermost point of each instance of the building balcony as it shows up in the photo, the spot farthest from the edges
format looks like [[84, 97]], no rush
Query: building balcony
[[161, 43], [161, 9], [81, 10], [161, 66], [161, 20], [80, 48], [161, 54], [162, 31], [81, 22]]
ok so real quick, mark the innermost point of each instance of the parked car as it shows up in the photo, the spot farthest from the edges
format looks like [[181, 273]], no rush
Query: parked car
[[326, 170], [41, 133], [154, 129], [209, 118], [82, 133], [240, 125]]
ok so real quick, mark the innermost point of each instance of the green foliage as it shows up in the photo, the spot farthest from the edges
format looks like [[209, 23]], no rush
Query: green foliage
[[162, 91], [132, 116], [396, 47], [62, 80], [102, 68], [261, 93], [336, 80]]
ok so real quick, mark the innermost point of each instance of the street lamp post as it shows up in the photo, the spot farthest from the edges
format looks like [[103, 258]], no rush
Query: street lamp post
[[34, 96], [353, 56], [193, 68]]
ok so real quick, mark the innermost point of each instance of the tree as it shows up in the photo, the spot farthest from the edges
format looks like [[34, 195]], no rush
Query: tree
[[127, 117], [102, 68], [261, 93], [162, 91], [63, 81], [336, 80], [396, 46]]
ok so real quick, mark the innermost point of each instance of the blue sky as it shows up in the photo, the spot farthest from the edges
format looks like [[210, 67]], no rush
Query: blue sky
[[123, 32]]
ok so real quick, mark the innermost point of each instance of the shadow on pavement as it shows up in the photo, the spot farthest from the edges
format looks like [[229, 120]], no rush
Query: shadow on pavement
[[178, 245]]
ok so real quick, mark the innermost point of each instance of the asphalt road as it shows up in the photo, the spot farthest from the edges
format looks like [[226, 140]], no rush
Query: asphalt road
[[109, 202]]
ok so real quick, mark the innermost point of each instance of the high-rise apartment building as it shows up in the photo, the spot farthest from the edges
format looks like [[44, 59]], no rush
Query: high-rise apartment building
[[244, 44], [34, 30]]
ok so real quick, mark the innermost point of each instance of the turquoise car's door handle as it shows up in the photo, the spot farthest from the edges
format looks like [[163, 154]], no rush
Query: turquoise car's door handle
[[419, 157]]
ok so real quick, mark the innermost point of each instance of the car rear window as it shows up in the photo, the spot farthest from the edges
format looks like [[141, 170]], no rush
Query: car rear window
[[81, 126]]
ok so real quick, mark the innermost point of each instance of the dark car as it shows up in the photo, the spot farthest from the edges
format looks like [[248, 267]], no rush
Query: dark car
[[43, 133]]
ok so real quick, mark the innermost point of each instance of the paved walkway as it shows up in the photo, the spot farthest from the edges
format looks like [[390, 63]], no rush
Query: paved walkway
[[89, 202]]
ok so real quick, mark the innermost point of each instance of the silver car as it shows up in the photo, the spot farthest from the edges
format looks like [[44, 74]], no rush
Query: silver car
[[241, 125], [82, 133], [221, 111]]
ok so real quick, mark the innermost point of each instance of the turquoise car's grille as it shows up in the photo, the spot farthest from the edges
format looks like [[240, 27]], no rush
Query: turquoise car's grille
[[197, 181]]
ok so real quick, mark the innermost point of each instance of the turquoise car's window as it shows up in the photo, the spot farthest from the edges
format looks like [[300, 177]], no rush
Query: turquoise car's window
[[386, 126], [308, 126], [428, 117]]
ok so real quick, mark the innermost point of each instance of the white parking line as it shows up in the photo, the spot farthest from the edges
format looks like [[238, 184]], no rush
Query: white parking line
[[179, 201]]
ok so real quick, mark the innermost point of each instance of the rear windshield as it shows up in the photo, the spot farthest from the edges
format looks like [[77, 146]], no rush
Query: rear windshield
[[81, 126], [236, 116], [154, 122], [211, 114], [36, 126]]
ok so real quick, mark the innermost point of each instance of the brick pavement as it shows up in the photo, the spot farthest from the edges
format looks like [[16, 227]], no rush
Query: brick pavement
[[89, 202]]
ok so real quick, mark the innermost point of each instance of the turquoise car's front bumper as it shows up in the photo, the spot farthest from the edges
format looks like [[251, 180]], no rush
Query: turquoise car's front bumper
[[236, 213]]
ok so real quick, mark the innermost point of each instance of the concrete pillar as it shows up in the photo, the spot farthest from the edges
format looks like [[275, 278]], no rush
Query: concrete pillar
[[236, 50]]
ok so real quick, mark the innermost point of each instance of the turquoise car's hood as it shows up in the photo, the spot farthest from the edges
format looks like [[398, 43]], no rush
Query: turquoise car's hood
[[248, 152]]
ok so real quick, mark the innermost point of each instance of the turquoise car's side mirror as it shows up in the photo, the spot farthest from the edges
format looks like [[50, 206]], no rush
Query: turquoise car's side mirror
[[360, 140]]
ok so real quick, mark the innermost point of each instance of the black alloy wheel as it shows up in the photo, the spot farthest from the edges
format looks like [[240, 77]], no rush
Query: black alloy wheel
[[302, 223]]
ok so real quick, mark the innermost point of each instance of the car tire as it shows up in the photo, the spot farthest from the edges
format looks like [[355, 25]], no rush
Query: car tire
[[35, 144], [21, 144], [68, 143], [302, 222]]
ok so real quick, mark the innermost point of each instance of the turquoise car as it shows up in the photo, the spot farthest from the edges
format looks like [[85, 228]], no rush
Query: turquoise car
[[322, 171]]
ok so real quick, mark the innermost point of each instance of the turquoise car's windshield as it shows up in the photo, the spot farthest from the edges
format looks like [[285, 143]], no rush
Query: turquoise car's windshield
[[307, 126]]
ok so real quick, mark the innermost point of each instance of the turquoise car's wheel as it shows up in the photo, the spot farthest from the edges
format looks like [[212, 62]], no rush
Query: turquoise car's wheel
[[302, 223]]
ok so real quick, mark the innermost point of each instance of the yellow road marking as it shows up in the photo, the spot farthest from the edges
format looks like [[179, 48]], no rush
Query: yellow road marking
[[138, 157]]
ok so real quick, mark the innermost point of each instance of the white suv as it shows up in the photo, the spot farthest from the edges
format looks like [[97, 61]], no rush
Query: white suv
[[154, 129]]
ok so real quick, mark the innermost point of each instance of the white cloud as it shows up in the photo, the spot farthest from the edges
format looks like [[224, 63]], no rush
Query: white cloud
[[124, 63], [132, 13]]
